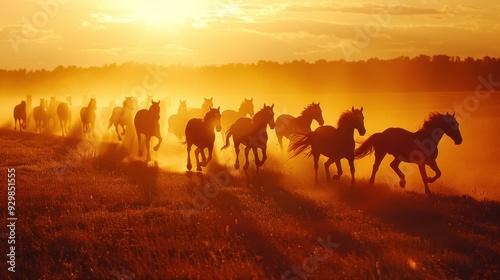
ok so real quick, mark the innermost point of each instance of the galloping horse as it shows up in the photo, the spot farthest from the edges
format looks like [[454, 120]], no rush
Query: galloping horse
[[177, 122], [200, 132], [418, 147], [286, 125], [251, 133], [334, 143], [20, 115], [197, 113], [40, 115], [147, 122], [87, 115], [228, 117], [64, 114], [122, 116]]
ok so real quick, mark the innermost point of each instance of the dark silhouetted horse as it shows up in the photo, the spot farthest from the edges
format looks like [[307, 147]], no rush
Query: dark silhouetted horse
[[198, 113], [40, 116], [177, 122], [87, 115], [122, 116], [29, 110], [228, 117], [418, 147], [200, 132], [64, 115], [52, 114], [286, 125], [20, 115], [253, 134], [334, 143], [147, 123]]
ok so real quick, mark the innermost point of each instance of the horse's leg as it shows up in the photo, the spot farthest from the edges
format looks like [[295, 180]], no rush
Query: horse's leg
[[353, 170], [264, 155], [197, 156], [158, 136], [189, 165], [395, 166], [247, 162], [379, 156], [203, 157], [210, 150], [148, 156], [117, 132], [15, 124], [62, 128], [123, 129], [280, 140], [435, 168], [237, 150], [339, 170], [139, 140], [423, 173], [327, 164], [316, 165]]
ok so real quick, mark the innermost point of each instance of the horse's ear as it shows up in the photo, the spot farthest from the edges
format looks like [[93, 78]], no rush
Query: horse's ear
[[218, 108], [353, 108], [251, 99], [212, 98], [272, 106], [264, 105], [447, 113], [453, 113], [361, 109]]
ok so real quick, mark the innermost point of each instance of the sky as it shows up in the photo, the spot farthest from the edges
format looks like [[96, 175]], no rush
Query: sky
[[36, 34]]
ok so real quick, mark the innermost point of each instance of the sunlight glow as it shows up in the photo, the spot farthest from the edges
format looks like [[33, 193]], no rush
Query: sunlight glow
[[167, 12]]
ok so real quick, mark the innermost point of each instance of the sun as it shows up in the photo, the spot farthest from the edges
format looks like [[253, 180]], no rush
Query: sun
[[160, 12]]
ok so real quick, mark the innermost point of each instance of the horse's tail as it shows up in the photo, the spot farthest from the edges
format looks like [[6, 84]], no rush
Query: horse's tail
[[367, 147], [229, 133], [300, 142]]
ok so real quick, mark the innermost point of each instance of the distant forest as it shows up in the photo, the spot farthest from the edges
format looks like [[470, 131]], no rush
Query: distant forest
[[402, 74]]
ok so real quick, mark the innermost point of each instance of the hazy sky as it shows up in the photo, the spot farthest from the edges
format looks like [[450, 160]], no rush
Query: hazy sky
[[47, 33]]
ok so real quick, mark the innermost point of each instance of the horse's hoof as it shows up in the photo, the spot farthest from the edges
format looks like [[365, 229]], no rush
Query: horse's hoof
[[198, 168], [428, 192], [155, 148], [430, 180], [236, 166], [336, 177], [371, 182], [189, 166], [245, 167], [402, 183]]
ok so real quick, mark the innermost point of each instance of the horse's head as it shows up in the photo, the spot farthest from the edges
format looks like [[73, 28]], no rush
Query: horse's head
[[154, 110], [267, 115], [182, 107], [23, 104], [42, 102], [450, 128], [92, 104], [247, 107], [316, 113], [353, 118], [213, 118], [207, 103], [69, 99], [128, 103]]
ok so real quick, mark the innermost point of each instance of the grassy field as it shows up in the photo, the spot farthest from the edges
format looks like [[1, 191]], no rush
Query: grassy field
[[105, 216]]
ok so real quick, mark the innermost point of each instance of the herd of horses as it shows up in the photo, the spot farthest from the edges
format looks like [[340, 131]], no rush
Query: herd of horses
[[197, 128]]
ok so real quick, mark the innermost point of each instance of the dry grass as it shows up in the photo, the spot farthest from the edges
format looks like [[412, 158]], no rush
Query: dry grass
[[105, 217]]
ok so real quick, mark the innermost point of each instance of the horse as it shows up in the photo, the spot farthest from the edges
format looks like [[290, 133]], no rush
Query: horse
[[147, 122], [334, 143], [64, 114], [52, 113], [251, 133], [228, 117], [200, 113], [40, 115], [177, 122], [20, 115], [122, 116], [200, 132], [418, 147], [286, 125], [87, 115]]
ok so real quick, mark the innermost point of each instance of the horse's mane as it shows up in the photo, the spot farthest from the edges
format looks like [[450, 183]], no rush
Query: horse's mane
[[209, 114], [258, 116], [344, 118], [431, 120], [307, 109]]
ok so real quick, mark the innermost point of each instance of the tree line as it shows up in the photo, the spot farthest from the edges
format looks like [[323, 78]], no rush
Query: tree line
[[402, 74]]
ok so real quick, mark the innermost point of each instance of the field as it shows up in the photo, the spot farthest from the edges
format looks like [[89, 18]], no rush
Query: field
[[88, 211]]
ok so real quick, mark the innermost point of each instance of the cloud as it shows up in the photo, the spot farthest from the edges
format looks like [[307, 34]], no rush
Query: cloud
[[366, 8]]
